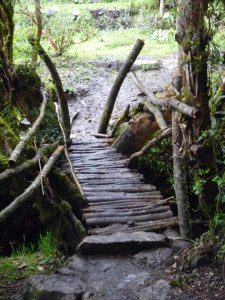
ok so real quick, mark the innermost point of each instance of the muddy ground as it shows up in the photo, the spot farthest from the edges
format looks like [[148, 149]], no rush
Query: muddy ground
[[93, 87]]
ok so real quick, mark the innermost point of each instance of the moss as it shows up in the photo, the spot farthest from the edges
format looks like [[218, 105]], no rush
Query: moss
[[65, 190], [65, 207], [3, 162], [7, 135]]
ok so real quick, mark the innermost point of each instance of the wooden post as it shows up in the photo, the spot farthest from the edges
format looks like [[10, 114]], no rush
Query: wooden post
[[117, 85], [180, 179]]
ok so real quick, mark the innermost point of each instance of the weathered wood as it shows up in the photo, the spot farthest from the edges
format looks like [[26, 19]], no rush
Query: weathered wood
[[32, 130], [123, 220], [153, 226], [123, 118], [25, 196], [156, 112], [61, 96], [131, 212], [117, 84], [172, 103], [128, 188], [26, 165], [149, 199]]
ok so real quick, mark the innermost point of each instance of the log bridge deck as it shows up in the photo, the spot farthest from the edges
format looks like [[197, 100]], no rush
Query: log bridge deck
[[118, 199]]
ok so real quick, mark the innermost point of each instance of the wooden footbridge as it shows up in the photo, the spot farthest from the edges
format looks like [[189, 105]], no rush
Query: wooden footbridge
[[118, 199]]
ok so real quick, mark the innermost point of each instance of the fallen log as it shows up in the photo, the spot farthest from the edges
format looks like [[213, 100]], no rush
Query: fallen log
[[170, 103], [26, 165], [6, 212], [167, 132], [117, 84], [32, 130]]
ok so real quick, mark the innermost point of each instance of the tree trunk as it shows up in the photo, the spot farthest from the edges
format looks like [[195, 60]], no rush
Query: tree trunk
[[162, 7], [39, 29], [193, 37]]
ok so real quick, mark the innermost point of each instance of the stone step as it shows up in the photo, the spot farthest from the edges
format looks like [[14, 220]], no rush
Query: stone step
[[121, 243]]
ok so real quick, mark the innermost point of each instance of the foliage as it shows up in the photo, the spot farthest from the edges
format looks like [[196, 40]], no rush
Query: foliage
[[27, 261], [158, 163]]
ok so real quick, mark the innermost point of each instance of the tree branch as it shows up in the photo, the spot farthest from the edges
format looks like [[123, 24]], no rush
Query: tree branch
[[117, 85], [32, 130], [6, 212], [26, 165], [170, 103]]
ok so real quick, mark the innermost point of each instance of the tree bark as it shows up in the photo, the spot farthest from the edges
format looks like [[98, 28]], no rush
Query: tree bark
[[62, 100], [26, 165], [156, 112], [170, 103], [25, 196], [19, 148], [180, 180], [117, 85], [123, 118], [162, 7], [39, 29]]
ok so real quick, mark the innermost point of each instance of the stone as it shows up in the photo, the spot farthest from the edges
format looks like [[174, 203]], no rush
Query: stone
[[159, 291], [179, 244], [134, 281], [154, 258], [53, 287], [146, 64], [199, 260], [121, 242], [171, 233]]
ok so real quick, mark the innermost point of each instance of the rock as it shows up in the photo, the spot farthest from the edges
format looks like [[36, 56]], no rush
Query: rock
[[121, 242], [154, 258], [199, 260], [146, 64], [76, 264], [134, 281], [179, 244], [171, 233], [53, 287], [158, 291]]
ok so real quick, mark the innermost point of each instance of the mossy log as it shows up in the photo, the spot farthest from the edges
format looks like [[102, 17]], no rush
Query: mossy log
[[12, 207], [61, 96]]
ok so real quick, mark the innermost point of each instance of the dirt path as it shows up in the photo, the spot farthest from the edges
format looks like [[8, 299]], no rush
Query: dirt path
[[92, 92]]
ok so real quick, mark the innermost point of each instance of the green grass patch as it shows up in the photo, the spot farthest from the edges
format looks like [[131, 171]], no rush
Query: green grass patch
[[118, 43], [28, 261]]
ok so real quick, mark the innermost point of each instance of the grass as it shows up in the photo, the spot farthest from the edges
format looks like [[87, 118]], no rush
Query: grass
[[26, 262], [117, 44]]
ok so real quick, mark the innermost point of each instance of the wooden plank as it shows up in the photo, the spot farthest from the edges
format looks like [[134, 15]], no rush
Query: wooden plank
[[131, 212], [126, 188], [151, 199], [124, 206], [123, 220], [153, 226]]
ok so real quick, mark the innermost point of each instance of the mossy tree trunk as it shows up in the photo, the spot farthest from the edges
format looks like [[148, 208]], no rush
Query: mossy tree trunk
[[193, 39], [6, 48]]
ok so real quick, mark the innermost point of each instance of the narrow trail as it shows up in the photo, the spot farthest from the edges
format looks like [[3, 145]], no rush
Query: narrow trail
[[121, 258]]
